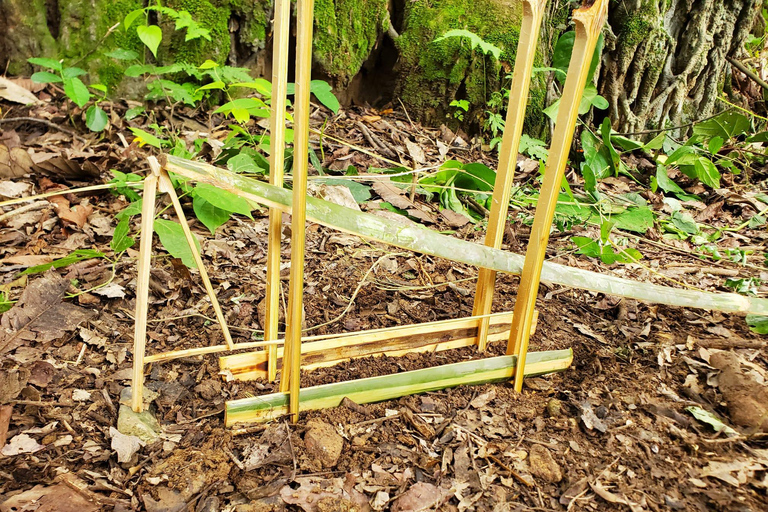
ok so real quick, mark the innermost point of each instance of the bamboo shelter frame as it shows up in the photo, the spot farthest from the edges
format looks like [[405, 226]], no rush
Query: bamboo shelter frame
[[478, 329]]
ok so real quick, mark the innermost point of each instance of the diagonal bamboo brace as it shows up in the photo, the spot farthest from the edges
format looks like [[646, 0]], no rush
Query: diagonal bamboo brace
[[276, 162], [142, 290], [533, 12], [167, 186], [289, 381], [589, 23]]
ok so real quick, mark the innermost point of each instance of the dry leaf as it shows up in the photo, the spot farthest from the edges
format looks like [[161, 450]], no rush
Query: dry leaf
[[417, 154], [13, 189], [58, 498], [125, 446], [15, 93], [21, 443], [392, 194], [454, 219], [40, 315], [421, 496], [5, 420], [14, 162]]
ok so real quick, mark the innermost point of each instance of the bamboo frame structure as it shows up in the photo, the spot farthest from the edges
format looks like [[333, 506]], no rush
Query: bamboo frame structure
[[589, 23], [533, 13], [276, 164]]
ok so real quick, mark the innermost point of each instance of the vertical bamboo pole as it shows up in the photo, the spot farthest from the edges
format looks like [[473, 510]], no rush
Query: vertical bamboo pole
[[292, 354], [142, 291], [167, 186], [533, 12], [281, 30], [589, 22]]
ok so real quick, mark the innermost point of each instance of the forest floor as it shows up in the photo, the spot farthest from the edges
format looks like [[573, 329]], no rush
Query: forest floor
[[613, 432]]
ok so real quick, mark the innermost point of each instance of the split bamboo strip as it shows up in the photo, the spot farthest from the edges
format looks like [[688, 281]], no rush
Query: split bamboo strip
[[281, 29], [167, 186], [142, 291], [289, 381], [589, 23], [391, 341], [533, 13], [387, 387], [422, 240]]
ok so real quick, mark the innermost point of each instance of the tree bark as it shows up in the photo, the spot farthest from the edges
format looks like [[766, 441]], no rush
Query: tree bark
[[665, 64]]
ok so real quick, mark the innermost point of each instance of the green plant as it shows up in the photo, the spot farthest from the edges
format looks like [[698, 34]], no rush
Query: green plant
[[745, 286], [461, 107]]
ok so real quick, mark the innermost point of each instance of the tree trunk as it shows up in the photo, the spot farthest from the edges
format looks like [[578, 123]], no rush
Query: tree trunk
[[665, 63]]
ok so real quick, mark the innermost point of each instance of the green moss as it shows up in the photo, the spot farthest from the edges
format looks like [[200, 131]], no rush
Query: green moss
[[213, 15], [438, 72], [345, 32], [26, 34], [254, 21]]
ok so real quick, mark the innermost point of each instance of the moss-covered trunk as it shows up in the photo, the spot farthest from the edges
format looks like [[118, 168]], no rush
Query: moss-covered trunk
[[665, 63]]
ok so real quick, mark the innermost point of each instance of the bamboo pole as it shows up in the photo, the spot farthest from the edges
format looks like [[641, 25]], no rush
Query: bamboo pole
[[142, 290], [292, 369], [533, 12], [167, 186], [276, 162], [387, 387], [419, 239], [589, 23]]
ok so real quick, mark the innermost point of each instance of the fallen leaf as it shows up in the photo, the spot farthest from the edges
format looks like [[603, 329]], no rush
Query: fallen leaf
[[5, 420], [454, 219], [19, 444], [736, 472], [40, 315], [417, 154], [57, 498], [315, 495], [13, 189], [392, 194], [14, 162], [125, 446], [421, 496], [590, 419], [15, 93]]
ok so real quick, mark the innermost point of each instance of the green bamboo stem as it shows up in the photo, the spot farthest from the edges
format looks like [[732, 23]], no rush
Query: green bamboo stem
[[387, 387], [422, 240]]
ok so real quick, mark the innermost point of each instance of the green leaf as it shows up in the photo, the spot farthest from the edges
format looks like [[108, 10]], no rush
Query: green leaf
[[218, 85], [133, 112], [656, 143], [322, 91], [242, 163], [148, 138], [211, 216], [121, 54], [715, 144], [45, 77], [72, 72], [46, 63], [76, 91], [638, 219], [665, 182], [474, 40], [223, 199], [172, 237], [151, 36], [131, 17], [758, 323], [74, 257], [684, 222], [137, 70], [263, 87], [247, 106], [95, 118], [710, 419], [361, 193], [707, 172], [757, 221], [208, 64], [129, 211], [120, 239], [99, 87], [726, 125]]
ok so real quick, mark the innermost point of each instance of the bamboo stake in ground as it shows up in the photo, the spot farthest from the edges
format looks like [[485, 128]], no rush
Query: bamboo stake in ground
[[292, 359], [589, 22], [142, 290], [533, 12], [276, 161], [167, 186]]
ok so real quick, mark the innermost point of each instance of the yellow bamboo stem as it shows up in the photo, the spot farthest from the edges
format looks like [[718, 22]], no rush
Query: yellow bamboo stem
[[276, 162], [167, 186], [142, 291], [292, 360], [533, 12], [589, 22]]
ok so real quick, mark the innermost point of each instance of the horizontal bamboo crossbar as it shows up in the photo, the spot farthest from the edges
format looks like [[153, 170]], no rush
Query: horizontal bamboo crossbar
[[377, 389], [423, 240], [392, 341]]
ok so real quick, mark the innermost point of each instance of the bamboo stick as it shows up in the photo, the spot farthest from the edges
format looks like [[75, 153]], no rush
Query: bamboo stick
[[589, 23], [291, 371], [391, 341], [276, 162], [533, 12], [142, 290], [387, 387], [422, 240], [167, 186]]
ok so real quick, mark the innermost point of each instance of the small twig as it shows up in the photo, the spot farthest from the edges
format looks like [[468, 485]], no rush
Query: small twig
[[24, 209], [375, 141], [744, 69], [45, 122]]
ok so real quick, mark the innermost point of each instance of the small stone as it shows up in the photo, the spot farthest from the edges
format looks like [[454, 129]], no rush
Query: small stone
[[554, 408], [543, 465], [209, 389], [323, 444], [140, 424]]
